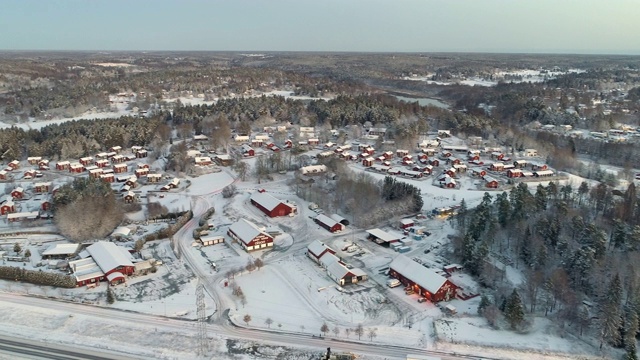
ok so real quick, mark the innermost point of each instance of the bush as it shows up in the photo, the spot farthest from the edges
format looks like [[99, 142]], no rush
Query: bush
[[228, 191], [37, 277]]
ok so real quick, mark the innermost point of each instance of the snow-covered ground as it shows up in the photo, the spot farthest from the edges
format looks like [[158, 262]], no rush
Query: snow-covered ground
[[528, 75]]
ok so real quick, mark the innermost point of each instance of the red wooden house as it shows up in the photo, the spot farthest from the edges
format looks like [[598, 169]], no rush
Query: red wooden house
[[497, 167], [454, 161], [141, 154], [328, 223], [387, 155], [120, 168], [317, 249], [7, 207], [108, 178], [102, 163], [406, 223], [62, 165], [76, 168], [423, 281], [43, 164], [141, 172], [45, 205], [4, 175], [95, 173], [368, 161], [86, 160], [401, 153], [248, 150], [14, 165], [313, 142], [434, 162], [42, 187], [490, 182], [17, 193], [288, 144], [514, 173]]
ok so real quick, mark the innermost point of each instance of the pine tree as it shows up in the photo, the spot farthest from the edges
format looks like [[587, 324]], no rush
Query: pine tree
[[484, 302], [463, 212], [541, 198], [611, 317], [630, 331], [111, 296], [514, 310], [504, 208]]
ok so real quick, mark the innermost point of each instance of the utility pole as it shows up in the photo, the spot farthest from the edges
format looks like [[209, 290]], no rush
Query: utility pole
[[203, 344]]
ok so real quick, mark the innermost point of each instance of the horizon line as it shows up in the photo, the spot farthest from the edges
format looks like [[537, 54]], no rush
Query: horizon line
[[550, 52]]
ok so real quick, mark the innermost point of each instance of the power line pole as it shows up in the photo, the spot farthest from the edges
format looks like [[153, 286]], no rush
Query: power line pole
[[203, 342]]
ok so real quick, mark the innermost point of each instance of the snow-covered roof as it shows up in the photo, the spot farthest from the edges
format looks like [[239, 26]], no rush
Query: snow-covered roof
[[406, 222], [115, 275], [61, 249], [324, 219], [544, 172], [109, 255], [121, 231], [328, 258], [246, 231], [337, 218], [85, 269], [382, 235], [337, 270], [265, 200], [316, 247], [425, 278]]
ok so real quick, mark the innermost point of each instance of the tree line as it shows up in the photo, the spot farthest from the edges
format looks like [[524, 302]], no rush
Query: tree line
[[572, 246]]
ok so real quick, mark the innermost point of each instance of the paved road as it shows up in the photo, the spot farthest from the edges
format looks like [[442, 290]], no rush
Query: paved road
[[31, 349], [223, 329]]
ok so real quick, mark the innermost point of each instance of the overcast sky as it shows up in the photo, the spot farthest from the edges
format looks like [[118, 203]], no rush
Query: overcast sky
[[556, 26]]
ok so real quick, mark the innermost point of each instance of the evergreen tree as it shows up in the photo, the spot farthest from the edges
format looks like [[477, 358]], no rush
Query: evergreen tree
[[17, 248], [541, 198], [484, 302], [630, 331], [582, 191], [610, 315], [514, 310], [111, 296], [462, 215], [504, 208], [619, 234]]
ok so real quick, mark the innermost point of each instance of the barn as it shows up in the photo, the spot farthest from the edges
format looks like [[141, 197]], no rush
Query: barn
[[423, 281], [249, 235], [102, 261], [328, 223], [317, 249], [270, 205]]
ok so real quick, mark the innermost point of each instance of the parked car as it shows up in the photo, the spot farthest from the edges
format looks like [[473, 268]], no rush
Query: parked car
[[421, 300]]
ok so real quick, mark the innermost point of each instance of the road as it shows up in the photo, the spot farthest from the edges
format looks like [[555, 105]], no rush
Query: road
[[223, 329], [31, 349]]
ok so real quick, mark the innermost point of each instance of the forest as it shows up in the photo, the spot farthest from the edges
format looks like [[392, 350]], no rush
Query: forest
[[576, 248]]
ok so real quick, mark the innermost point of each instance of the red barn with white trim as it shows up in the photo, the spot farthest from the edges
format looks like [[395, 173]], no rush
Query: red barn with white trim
[[249, 235], [270, 205], [423, 281]]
